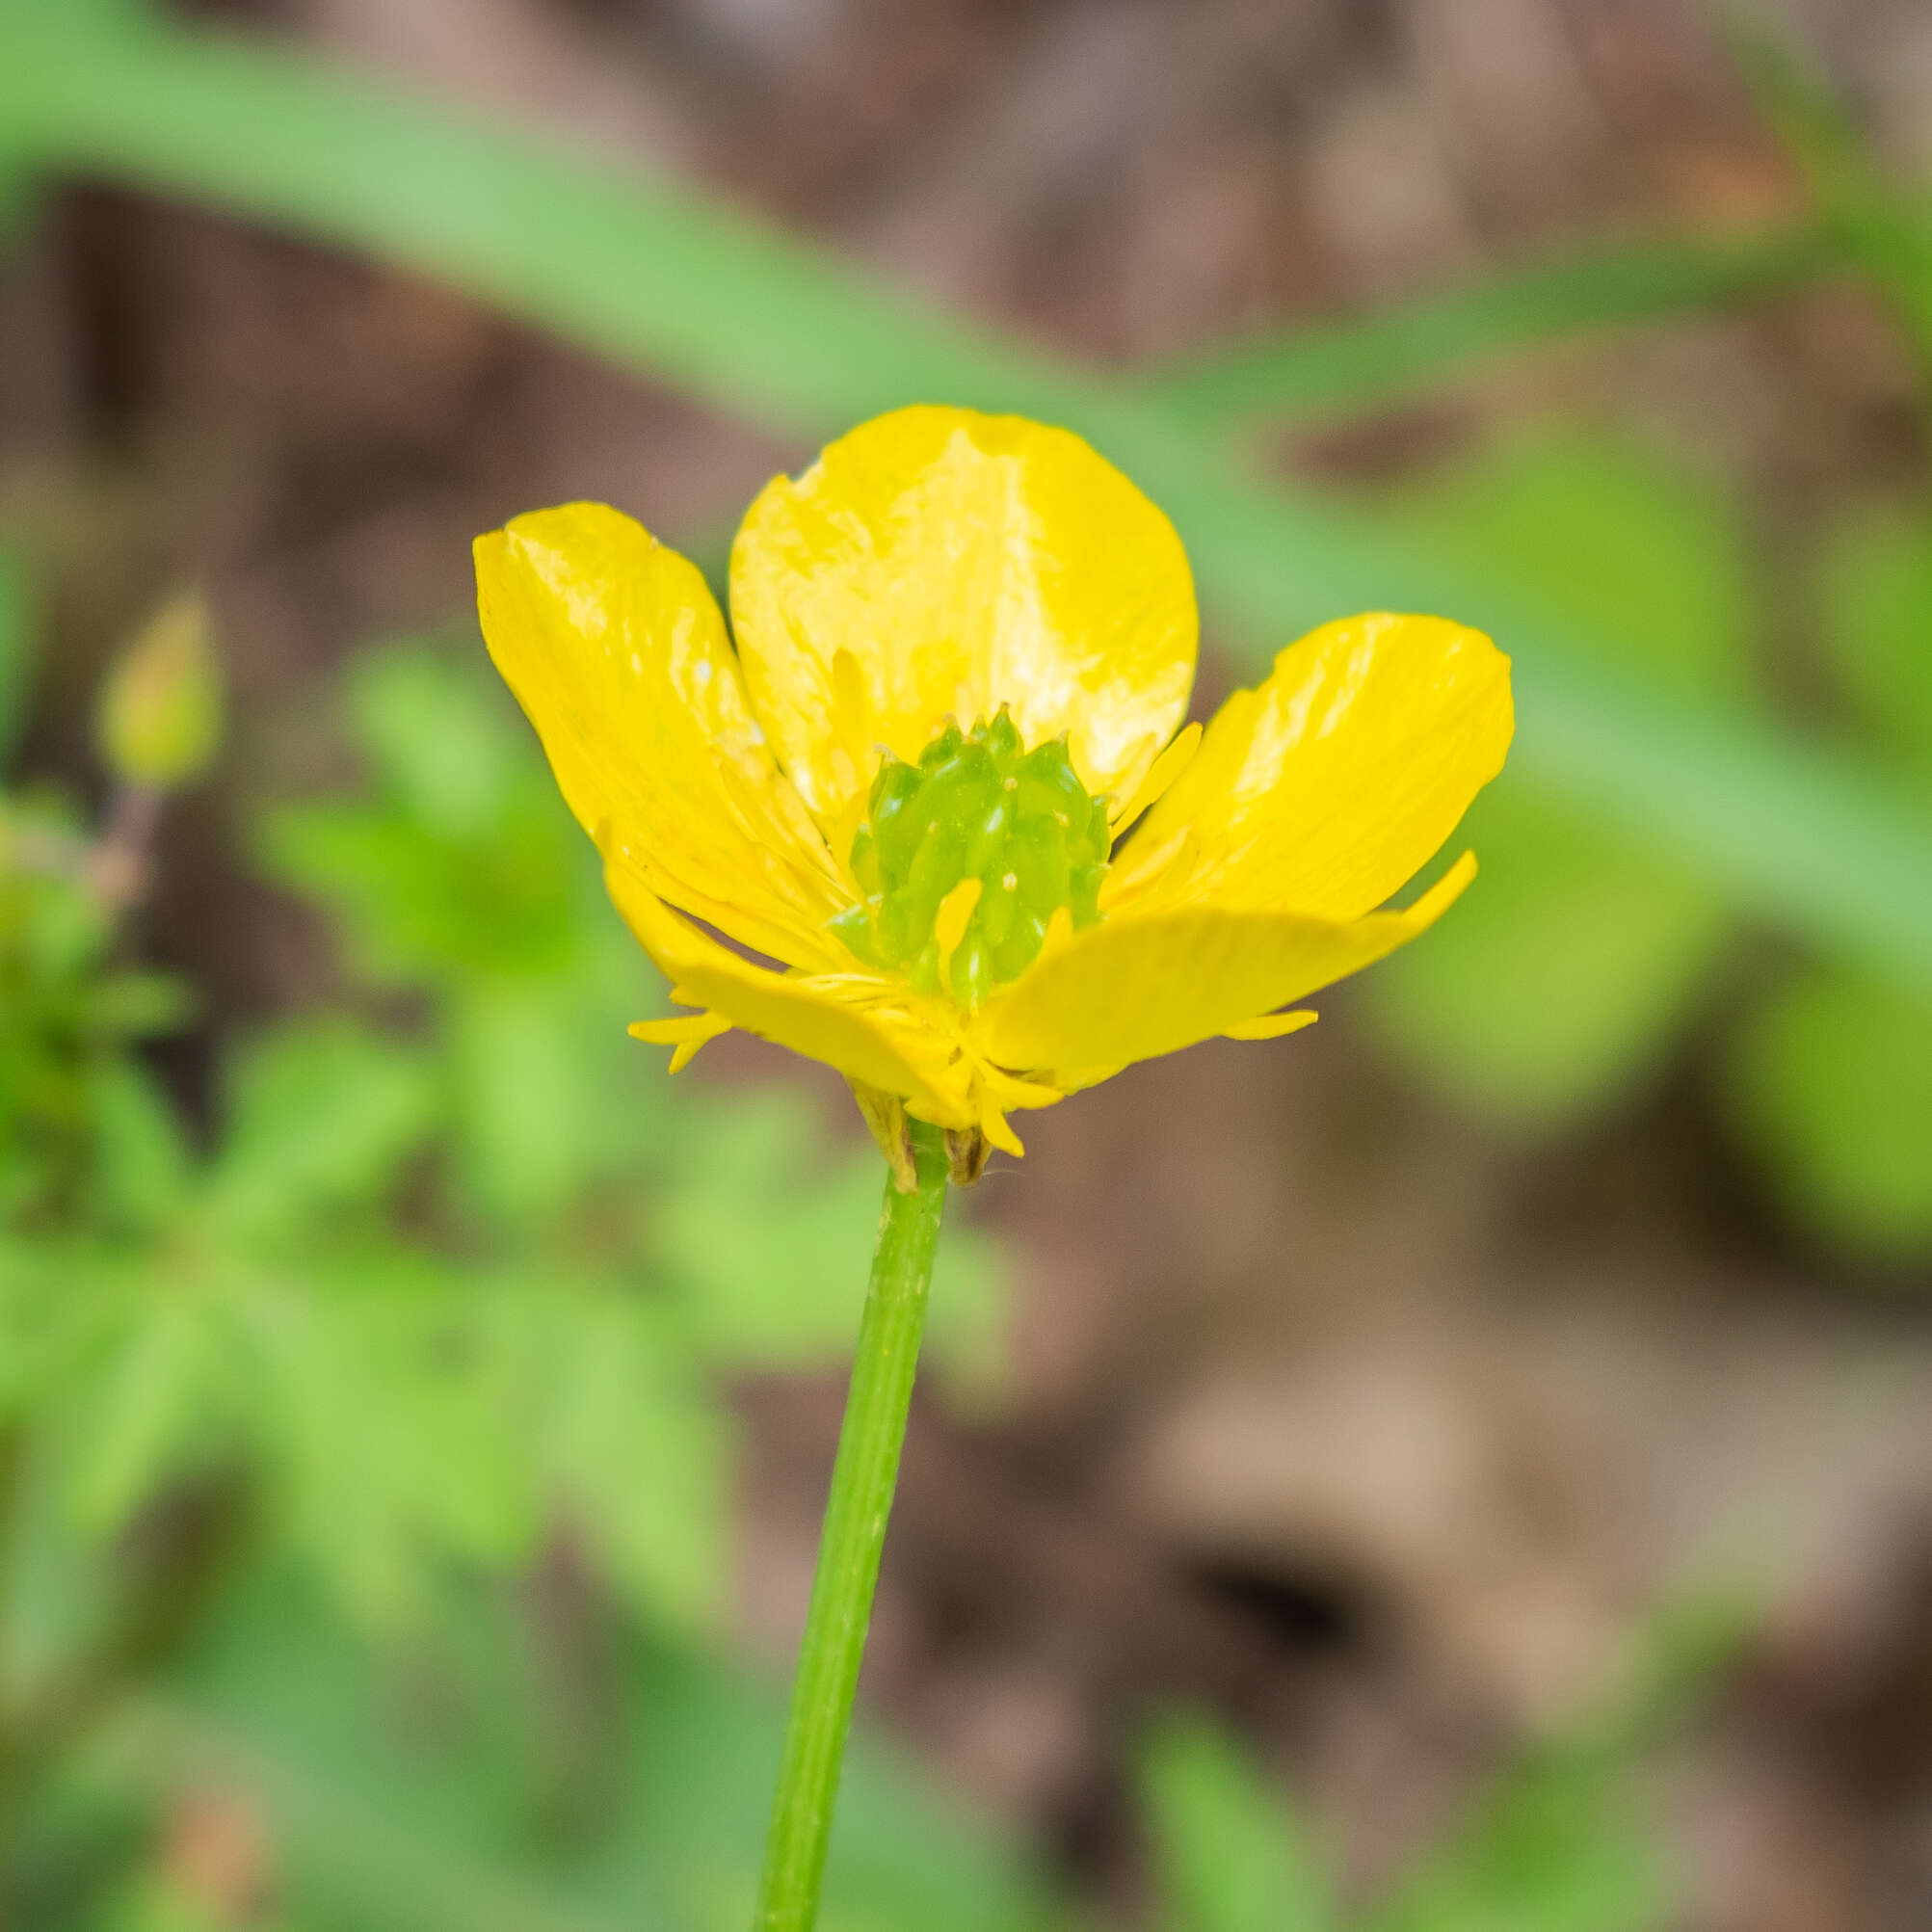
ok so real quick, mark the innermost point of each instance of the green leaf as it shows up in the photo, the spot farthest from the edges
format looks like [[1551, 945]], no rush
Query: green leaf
[[54, 1301], [140, 1171], [321, 1114], [406, 1789], [1831, 1085], [17, 631], [381, 1418], [550, 1094], [750, 320], [1556, 1844], [125, 1006], [783, 1286], [158, 1408], [468, 865], [1878, 628], [1558, 982], [447, 748], [19, 204], [1229, 1855], [1605, 528], [158, 1903], [633, 1444], [1555, 1851]]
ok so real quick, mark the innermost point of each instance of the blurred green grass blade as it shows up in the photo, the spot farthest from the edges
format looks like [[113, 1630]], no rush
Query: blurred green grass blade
[[1228, 1856], [1877, 621], [639, 270], [16, 650], [1885, 230], [750, 320], [1384, 356]]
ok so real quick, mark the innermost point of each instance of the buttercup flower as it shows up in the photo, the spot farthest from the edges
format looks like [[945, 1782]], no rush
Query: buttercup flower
[[965, 646]]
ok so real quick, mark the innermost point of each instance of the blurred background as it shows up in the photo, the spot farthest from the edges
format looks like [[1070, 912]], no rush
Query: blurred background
[[1466, 1467]]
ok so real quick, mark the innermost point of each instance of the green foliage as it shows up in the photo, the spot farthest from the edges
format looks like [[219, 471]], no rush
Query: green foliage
[[1830, 1080], [1572, 964], [1831, 1087], [1553, 1851], [16, 641], [1877, 584], [462, 1787], [1556, 1843], [1553, 1846], [460, 876], [1229, 1854], [447, 1282], [463, 878], [67, 1012], [426, 1294]]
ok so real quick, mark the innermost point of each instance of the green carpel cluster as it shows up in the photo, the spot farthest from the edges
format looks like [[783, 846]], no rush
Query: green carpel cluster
[[977, 806]]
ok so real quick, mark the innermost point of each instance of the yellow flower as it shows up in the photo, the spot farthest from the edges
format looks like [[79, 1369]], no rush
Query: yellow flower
[[965, 646]]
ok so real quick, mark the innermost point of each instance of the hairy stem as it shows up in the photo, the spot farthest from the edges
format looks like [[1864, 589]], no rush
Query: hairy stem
[[863, 1480]]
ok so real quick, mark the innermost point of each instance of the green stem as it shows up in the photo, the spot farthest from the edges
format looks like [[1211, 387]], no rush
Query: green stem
[[862, 1479]]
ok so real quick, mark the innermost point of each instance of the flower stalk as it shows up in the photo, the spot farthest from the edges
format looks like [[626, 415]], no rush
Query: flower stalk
[[863, 1480]]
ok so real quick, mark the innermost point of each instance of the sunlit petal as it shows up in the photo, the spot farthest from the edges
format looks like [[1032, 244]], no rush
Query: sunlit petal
[[1333, 782], [1134, 987], [825, 1017], [615, 649], [938, 561]]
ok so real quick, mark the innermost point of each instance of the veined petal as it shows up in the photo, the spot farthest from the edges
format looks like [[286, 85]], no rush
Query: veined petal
[[939, 562], [1336, 779], [831, 1016], [1130, 988], [614, 647]]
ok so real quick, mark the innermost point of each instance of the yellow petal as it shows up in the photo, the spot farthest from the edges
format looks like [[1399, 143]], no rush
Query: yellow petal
[[615, 649], [938, 561], [950, 921], [1270, 1026], [1325, 789], [1134, 987], [685, 1034], [1160, 778], [831, 1016]]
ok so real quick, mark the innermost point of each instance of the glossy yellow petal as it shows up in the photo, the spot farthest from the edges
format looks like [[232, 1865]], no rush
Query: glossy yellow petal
[[1270, 1026], [1130, 988], [1160, 778], [1335, 780], [614, 647], [845, 1020], [685, 1034], [938, 561]]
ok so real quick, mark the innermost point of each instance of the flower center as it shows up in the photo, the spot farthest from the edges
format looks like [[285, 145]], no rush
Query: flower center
[[977, 806]]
